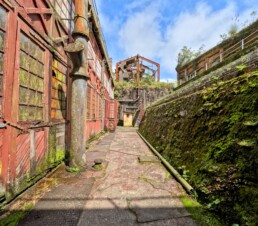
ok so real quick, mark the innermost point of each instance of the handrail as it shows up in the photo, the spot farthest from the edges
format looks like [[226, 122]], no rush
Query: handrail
[[235, 47]]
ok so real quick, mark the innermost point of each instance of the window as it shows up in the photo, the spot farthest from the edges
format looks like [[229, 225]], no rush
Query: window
[[65, 9], [31, 81], [93, 103], [58, 95], [88, 102], [3, 23], [112, 111], [97, 105], [100, 107]]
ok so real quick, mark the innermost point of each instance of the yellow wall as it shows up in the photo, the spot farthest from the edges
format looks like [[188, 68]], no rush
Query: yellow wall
[[128, 119]]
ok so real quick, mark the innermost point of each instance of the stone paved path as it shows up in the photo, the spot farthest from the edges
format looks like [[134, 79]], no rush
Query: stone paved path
[[132, 193], [124, 193]]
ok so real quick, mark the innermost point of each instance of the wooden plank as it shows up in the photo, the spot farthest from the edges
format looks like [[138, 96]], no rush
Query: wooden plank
[[22, 155], [40, 146], [39, 11]]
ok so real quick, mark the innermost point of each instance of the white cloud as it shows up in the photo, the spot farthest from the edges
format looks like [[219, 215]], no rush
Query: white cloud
[[134, 5], [142, 29], [141, 32], [192, 29]]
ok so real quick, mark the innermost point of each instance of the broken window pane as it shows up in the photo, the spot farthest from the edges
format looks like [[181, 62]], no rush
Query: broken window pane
[[58, 102]]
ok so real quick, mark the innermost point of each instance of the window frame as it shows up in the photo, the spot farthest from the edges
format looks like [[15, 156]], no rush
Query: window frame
[[3, 53], [32, 35], [63, 109]]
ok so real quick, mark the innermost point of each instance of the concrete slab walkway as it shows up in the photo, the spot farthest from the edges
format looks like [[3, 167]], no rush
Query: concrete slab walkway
[[124, 192]]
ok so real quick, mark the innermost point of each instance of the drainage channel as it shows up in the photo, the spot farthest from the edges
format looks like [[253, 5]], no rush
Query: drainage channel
[[171, 169]]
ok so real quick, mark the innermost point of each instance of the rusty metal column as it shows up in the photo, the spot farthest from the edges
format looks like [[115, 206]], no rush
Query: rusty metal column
[[138, 76], [103, 95], [80, 75]]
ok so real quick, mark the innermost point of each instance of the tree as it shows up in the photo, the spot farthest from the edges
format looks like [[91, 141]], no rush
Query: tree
[[187, 54]]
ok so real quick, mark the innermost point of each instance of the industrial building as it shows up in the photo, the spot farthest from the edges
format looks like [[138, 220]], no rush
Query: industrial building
[[35, 87]]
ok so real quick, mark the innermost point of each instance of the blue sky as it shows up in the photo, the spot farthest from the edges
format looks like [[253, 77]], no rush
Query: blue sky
[[159, 29]]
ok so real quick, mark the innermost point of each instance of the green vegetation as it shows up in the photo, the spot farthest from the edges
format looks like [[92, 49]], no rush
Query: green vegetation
[[187, 54], [98, 167], [199, 213], [73, 169], [146, 82], [234, 27], [58, 157], [210, 137], [14, 217], [239, 54]]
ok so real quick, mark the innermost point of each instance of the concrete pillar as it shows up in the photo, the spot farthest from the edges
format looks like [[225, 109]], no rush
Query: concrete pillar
[[78, 54]]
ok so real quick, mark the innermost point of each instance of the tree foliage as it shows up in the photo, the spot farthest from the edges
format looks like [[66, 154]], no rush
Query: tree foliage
[[187, 54], [147, 81]]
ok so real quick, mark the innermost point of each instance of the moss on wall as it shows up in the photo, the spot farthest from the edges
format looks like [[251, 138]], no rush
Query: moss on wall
[[211, 138]]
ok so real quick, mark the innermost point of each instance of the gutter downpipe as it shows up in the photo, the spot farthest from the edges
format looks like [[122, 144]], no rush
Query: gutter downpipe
[[171, 169], [77, 52]]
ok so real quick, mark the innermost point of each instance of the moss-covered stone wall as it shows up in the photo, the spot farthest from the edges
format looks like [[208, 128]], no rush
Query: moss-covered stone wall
[[210, 136]]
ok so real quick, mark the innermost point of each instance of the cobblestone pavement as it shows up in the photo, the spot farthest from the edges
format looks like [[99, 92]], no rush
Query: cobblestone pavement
[[124, 192]]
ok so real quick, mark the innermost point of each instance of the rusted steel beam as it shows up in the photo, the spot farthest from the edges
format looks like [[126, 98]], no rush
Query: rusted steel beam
[[117, 73], [152, 62], [138, 58]]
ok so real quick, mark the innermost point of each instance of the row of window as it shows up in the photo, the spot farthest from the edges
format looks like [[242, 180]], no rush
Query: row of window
[[59, 90], [94, 105], [31, 81], [65, 9], [3, 22]]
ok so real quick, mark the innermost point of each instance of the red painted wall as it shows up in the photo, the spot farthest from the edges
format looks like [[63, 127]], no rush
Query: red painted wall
[[25, 144]]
